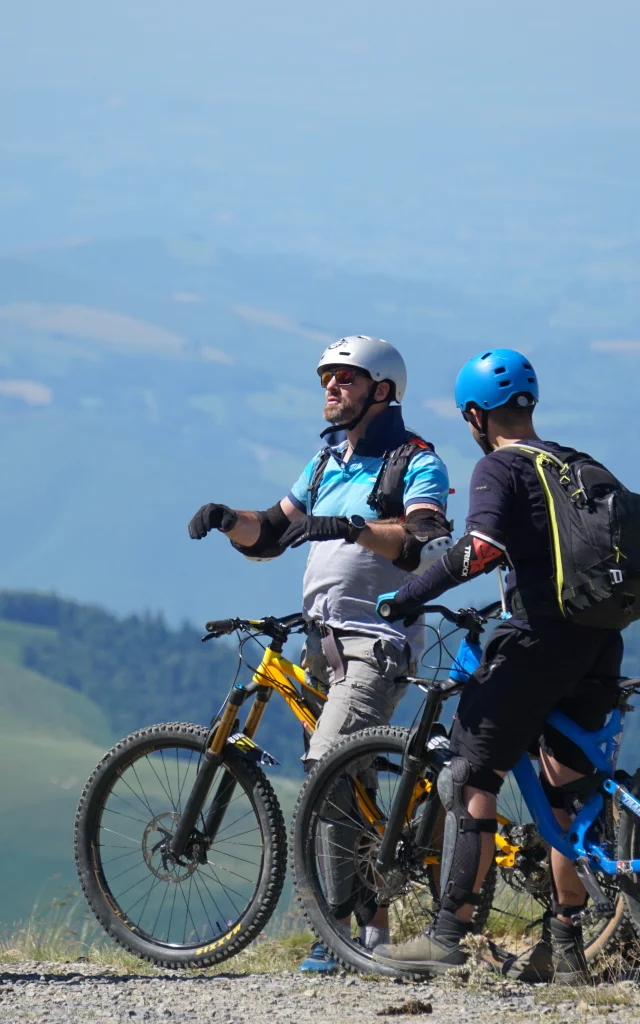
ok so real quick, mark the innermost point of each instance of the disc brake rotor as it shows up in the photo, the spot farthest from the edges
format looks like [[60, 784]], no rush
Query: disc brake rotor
[[155, 849], [365, 853]]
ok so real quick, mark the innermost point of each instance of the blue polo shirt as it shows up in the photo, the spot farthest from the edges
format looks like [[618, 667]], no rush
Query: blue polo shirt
[[342, 581]]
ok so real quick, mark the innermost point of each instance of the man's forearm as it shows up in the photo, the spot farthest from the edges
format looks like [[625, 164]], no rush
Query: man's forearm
[[247, 529], [384, 539]]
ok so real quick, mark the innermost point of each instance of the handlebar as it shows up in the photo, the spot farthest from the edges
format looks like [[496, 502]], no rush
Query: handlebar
[[465, 618], [460, 617], [272, 626]]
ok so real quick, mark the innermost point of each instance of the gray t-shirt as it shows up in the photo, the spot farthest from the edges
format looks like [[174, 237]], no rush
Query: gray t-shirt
[[342, 581], [341, 586]]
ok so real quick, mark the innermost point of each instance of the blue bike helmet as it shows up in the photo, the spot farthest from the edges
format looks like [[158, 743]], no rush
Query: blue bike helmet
[[499, 376]]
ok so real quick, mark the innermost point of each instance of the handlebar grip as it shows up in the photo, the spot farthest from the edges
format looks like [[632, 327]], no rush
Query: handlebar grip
[[384, 606], [220, 626]]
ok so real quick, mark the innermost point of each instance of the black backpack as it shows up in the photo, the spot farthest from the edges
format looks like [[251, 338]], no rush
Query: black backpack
[[387, 495], [594, 526]]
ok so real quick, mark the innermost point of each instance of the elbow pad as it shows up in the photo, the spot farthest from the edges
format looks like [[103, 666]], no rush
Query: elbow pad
[[427, 536], [273, 524], [474, 554]]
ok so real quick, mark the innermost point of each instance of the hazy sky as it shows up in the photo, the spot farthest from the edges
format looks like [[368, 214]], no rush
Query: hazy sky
[[507, 59], [418, 137]]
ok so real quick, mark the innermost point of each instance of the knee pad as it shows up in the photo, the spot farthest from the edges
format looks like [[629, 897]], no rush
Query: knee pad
[[338, 832], [462, 842]]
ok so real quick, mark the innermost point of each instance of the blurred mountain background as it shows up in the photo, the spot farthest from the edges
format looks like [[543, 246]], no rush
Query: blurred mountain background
[[193, 202]]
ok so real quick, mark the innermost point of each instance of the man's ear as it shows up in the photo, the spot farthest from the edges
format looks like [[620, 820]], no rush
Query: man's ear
[[383, 391], [477, 418]]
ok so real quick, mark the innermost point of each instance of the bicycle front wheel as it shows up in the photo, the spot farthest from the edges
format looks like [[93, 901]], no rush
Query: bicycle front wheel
[[334, 844], [217, 897]]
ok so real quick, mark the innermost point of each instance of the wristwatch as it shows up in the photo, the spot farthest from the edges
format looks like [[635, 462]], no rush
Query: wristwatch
[[356, 526]]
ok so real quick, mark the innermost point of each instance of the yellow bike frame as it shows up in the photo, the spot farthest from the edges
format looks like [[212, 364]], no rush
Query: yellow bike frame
[[281, 675]]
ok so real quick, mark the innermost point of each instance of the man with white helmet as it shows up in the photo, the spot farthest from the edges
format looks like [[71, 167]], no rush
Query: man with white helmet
[[372, 503]]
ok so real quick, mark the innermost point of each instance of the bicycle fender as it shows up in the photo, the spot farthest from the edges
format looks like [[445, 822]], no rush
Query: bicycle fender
[[250, 750]]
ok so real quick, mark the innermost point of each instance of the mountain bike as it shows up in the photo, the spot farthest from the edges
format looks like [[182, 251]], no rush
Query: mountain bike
[[393, 861], [180, 843]]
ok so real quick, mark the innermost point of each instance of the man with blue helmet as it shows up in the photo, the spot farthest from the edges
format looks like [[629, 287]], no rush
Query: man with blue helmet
[[534, 662]]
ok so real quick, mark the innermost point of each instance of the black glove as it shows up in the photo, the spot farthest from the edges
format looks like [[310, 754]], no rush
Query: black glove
[[395, 610], [212, 517], [316, 528]]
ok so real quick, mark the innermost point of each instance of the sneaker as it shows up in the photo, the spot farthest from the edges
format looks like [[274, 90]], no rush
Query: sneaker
[[558, 956], [319, 961], [422, 955]]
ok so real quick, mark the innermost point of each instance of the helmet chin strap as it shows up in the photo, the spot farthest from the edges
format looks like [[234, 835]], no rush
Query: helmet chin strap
[[352, 424], [483, 435]]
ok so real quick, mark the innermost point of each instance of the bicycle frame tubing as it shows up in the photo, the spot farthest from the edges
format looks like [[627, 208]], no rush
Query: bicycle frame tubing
[[576, 842], [276, 672]]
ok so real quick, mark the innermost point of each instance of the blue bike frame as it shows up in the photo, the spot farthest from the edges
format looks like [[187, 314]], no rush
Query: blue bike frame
[[577, 841]]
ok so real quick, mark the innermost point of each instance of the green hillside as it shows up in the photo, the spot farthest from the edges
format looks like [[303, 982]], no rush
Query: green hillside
[[50, 739], [112, 676]]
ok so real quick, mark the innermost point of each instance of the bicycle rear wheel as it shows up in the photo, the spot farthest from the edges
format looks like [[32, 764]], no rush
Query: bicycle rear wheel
[[208, 905], [330, 825], [523, 886], [629, 849]]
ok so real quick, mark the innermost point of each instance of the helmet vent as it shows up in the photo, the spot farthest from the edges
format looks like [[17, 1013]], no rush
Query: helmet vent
[[504, 383], [531, 380], [527, 366], [486, 355], [500, 369]]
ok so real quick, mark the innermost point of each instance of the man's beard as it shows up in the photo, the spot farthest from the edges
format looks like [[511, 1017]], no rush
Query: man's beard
[[343, 411]]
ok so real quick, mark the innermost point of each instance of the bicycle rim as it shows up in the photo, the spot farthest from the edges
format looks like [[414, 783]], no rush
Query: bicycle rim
[[131, 807], [523, 882], [335, 846]]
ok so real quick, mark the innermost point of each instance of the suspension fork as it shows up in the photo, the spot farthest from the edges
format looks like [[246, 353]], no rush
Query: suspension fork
[[204, 779], [227, 785], [412, 764]]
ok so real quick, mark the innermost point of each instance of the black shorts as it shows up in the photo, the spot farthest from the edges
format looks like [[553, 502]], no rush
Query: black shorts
[[524, 675]]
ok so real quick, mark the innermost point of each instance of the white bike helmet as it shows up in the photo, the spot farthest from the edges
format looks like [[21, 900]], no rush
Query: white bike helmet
[[380, 359]]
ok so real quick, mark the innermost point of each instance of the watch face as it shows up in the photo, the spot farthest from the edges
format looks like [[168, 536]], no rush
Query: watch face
[[359, 522]]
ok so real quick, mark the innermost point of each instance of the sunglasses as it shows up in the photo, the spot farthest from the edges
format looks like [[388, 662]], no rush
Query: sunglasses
[[344, 376]]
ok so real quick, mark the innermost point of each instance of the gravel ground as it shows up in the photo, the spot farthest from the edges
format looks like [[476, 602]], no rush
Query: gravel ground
[[77, 992]]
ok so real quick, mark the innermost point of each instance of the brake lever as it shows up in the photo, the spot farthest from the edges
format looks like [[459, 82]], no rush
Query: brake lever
[[470, 619]]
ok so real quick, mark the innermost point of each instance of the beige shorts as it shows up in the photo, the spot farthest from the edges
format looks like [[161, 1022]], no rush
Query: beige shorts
[[373, 684]]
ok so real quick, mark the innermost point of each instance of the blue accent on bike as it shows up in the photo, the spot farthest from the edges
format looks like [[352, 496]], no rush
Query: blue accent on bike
[[466, 661], [319, 961], [493, 377], [579, 840]]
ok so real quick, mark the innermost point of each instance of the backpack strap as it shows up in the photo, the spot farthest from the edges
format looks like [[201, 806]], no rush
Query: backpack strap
[[318, 474], [532, 452], [387, 495]]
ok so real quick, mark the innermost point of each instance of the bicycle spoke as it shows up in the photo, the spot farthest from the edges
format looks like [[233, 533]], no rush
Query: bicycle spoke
[[167, 778], [213, 900], [138, 873], [158, 778]]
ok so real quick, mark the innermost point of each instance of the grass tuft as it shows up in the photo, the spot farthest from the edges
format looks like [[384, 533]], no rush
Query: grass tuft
[[65, 931], [601, 995]]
